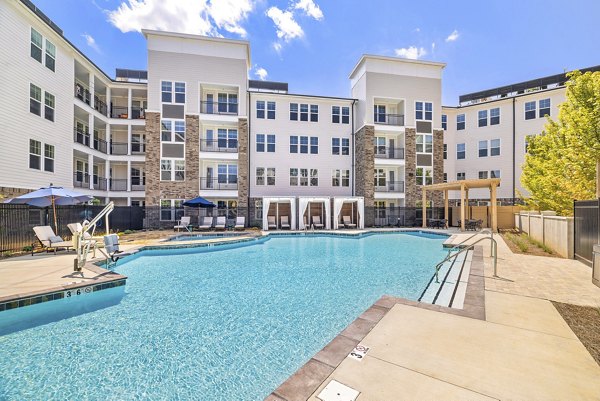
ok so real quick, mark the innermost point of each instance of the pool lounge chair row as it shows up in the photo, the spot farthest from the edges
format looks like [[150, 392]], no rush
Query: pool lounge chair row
[[206, 223]]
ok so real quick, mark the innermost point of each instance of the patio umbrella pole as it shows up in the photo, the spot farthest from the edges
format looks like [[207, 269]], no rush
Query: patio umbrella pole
[[54, 213]]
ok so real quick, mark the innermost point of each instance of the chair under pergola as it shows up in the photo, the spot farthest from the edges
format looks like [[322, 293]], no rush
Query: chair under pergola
[[463, 186]]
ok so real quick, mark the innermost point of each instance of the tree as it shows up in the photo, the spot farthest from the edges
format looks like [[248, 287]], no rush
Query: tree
[[563, 163]]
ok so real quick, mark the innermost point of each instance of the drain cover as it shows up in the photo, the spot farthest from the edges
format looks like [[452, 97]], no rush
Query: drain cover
[[336, 391]]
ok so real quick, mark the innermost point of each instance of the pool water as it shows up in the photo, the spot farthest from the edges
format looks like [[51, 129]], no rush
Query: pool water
[[208, 324], [192, 237]]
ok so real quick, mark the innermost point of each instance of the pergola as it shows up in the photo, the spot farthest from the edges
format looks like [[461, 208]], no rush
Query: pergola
[[463, 186]]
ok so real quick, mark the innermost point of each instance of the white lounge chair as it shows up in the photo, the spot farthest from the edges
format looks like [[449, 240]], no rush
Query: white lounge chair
[[240, 223], [49, 240], [220, 224], [285, 222], [272, 224], [206, 225], [316, 221], [348, 222], [183, 223]]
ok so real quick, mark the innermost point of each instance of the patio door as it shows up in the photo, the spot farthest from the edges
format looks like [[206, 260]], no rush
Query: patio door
[[391, 149], [392, 180], [209, 178]]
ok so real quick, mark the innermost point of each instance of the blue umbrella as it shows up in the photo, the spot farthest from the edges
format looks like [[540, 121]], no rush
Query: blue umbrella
[[199, 202], [51, 196]]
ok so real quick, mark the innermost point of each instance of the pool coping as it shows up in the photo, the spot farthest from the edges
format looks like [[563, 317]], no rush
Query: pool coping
[[302, 384]]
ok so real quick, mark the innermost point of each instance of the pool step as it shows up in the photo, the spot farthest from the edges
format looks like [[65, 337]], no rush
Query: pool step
[[453, 276]]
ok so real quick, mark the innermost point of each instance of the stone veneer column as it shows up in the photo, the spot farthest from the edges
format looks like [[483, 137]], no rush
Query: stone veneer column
[[243, 174], [438, 166], [365, 170], [411, 191], [152, 159]]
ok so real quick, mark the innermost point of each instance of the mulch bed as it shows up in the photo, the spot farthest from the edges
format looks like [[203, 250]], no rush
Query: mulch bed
[[585, 323]]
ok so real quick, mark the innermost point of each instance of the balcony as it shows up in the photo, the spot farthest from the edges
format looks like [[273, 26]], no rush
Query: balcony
[[100, 106], [138, 148], [81, 137], [390, 186], [384, 152], [218, 183], [389, 119], [118, 184], [82, 93], [118, 148], [100, 145], [81, 180], [138, 184], [119, 112], [223, 108], [219, 145], [100, 183], [138, 113]]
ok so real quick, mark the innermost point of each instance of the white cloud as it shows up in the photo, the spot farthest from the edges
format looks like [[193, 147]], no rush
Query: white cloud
[[260, 73], [453, 36], [310, 8], [190, 16], [286, 25], [432, 47], [91, 42], [411, 52]]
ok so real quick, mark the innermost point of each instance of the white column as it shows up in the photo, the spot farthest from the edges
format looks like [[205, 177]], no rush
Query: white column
[[129, 128], [91, 171], [107, 133], [91, 128], [129, 175], [92, 89], [129, 101], [107, 175], [108, 100]]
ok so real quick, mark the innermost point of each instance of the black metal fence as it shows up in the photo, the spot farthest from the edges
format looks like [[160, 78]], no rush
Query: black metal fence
[[587, 228]]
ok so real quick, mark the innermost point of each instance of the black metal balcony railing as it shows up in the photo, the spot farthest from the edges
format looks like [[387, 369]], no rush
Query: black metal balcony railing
[[390, 186], [219, 145], [138, 113], [219, 108], [81, 137], [384, 152], [138, 148], [138, 184], [119, 112], [118, 148], [82, 93], [100, 145], [118, 184], [219, 184], [99, 183], [100, 106], [81, 180], [389, 119]]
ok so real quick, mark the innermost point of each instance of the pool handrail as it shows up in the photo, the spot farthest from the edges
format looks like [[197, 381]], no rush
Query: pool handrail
[[466, 248]]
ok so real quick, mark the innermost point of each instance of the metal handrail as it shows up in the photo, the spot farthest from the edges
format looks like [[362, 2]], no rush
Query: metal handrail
[[484, 231], [467, 248]]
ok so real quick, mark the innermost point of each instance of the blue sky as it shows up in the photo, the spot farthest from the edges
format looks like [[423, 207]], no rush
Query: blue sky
[[314, 44]]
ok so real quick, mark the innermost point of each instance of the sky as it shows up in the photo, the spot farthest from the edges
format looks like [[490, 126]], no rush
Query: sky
[[314, 44]]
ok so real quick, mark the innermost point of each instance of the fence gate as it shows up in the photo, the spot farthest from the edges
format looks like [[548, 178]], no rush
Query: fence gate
[[587, 228]]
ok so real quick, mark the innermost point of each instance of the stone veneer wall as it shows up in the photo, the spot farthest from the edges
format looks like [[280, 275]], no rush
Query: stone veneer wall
[[243, 173], [152, 160], [412, 193], [365, 170], [438, 166]]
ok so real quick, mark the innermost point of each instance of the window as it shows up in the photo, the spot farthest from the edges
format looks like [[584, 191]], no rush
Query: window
[[530, 110], [495, 116], [335, 114], [260, 176], [483, 175], [314, 177], [294, 111], [335, 146], [171, 209], [340, 178], [258, 206], [460, 176], [494, 173], [293, 177], [460, 122], [271, 143], [444, 122], [49, 106], [460, 151], [260, 142], [260, 109], [35, 99], [445, 177], [304, 112], [49, 158], [166, 91], [380, 211], [445, 151], [172, 170], [303, 144], [50, 55], [314, 145], [179, 170], [424, 176], [227, 103], [314, 113], [340, 146], [293, 144], [424, 111], [345, 146], [227, 138], [36, 45], [379, 113], [346, 115], [544, 108], [227, 174], [495, 147], [271, 110], [271, 176], [35, 154], [303, 177], [172, 131], [379, 177], [483, 148], [482, 118], [424, 143]]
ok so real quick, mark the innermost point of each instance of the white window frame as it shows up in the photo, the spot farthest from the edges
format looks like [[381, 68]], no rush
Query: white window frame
[[535, 112], [49, 116], [463, 151], [464, 176], [426, 144], [49, 157], [271, 110], [539, 112], [335, 115], [35, 150], [423, 110], [261, 107], [174, 204], [479, 119], [39, 101], [483, 175], [314, 177], [464, 121], [495, 147], [492, 116], [424, 178], [479, 148]]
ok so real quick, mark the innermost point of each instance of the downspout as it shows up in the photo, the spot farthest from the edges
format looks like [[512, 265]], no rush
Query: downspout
[[353, 150], [248, 151], [514, 135]]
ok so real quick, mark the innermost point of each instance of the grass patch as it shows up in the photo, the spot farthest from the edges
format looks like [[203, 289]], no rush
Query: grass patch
[[540, 245], [518, 241]]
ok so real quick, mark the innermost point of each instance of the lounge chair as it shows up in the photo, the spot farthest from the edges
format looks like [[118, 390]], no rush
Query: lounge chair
[[348, 222], [316, 221], [240, 223], [49, 240], [271, 222], [220, 224], [183, 223], [206, 225], [285, 222], [113, 252]]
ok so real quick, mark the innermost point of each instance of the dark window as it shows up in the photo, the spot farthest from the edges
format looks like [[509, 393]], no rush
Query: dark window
[[271, 143], [460, 122], [36, 45], [48, 158], [483, 148], [314, 145], [379, 113], [35, 99], [460, 151], [335, 114], [495, 116], [544, 108], [294, 111], [304, 112], [482, 118], [445, 151], [314, 113], [35, 154], [335, 146], [345, 146], [293, 144], [260, 142], [166, 91], [444, 122], [49, 106], [271, 110], [303, 144], [50, 55], [530, 110], [179, 92], [345, 115], [260, 109]]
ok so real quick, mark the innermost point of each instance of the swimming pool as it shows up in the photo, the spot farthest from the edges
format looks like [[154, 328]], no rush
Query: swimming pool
[[195, 237], [230, 324]]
